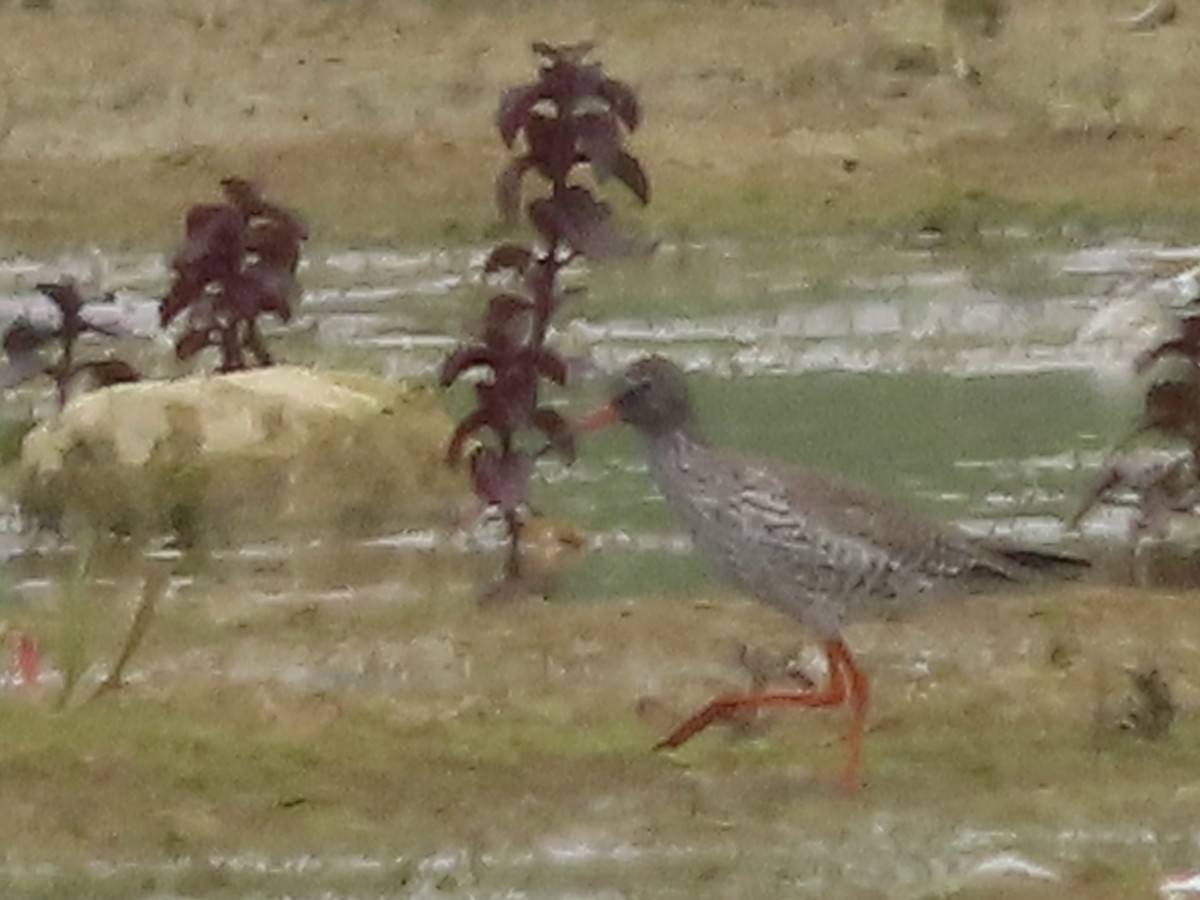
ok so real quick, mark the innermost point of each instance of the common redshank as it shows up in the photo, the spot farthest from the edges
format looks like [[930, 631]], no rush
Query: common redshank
[[819, 549]]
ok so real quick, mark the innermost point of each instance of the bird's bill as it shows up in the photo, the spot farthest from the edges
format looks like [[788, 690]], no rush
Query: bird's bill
[[598, 418]]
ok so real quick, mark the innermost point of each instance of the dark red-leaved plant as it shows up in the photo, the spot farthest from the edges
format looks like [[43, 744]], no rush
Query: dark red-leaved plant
[[25, 341], [571, 125], [237, 262], [1170, 409]]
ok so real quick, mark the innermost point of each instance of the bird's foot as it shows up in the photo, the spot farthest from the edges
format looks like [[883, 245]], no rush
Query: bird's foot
[[716, 710]]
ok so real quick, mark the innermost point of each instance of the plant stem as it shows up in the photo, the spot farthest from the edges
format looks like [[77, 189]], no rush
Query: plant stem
[[512, 565], [152, 590]]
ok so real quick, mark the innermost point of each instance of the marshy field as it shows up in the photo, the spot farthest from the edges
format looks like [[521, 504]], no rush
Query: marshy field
[[892, 242]]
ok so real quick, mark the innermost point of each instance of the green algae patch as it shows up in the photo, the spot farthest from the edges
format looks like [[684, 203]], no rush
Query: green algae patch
[[255, 454]]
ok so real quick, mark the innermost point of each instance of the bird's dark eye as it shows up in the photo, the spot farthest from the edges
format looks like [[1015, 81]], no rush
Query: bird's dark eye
[[635, 390]]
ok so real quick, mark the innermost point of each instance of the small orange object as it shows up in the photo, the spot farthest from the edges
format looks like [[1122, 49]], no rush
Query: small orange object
[[27, 661]]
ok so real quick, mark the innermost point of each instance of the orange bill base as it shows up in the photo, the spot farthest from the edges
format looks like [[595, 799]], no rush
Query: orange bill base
[[598, 418]]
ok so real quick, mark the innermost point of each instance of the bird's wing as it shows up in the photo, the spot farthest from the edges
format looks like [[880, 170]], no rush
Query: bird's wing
[[880, 532]]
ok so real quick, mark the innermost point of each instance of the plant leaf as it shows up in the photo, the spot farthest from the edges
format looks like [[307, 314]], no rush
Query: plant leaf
[[106, 372], [270, 291], [630, 173], [253, 341], [623, 101], [557, 431], [192, 342], [516, 106], [551, 145], [550, 365], [545, 218], [213, 242], [508, 188], [276, 243], [571, 83], [66, 297], [474, 421], [584, 222], [563, 54], [512, 397], [462, 359], [23, 337], [184, 292], [508, 256], [240, 296], [508, 322], [599, 140], [244, 196], [226, 340]]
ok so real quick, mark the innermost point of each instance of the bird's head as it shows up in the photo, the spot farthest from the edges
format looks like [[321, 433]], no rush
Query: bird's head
[[651, 395]]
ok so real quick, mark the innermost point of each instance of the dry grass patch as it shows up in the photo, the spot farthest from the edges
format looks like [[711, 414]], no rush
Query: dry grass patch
[[376, 118]]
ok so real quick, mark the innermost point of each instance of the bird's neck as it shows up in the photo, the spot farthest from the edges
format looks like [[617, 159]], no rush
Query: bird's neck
[[676, 461], [672, 451], [683, 437]]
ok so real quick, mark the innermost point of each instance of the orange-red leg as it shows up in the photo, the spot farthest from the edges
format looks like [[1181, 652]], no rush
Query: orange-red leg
[[859, 696], [847, 684]]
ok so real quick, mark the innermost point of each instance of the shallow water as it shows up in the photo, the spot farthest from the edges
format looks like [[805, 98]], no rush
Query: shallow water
[[984, 390], [910, 370]]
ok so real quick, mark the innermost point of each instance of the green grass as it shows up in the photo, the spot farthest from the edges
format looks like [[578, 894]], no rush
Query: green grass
[[498, 732]]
